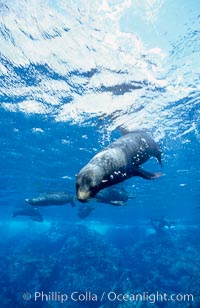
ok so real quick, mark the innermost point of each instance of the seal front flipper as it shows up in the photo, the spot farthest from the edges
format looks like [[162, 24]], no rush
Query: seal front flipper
[[158, 154], [148, 175]]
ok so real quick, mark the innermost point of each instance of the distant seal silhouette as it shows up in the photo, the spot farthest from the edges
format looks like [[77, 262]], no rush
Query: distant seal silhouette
[[84, 211], [160, 224], [116, 163], [58, 198], [31, 212], [113, 195]]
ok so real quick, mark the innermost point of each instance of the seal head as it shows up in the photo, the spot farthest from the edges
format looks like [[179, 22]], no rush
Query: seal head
[[88, 182]]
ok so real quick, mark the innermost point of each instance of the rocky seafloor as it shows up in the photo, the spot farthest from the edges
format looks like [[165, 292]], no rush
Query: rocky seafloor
[[64, 260]]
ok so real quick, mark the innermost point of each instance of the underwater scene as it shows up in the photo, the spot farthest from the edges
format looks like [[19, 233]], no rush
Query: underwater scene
[[99, 160]]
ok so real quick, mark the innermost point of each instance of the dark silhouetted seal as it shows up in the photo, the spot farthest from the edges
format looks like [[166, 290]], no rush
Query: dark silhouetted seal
[[113, 195], [31, 212], [160, 224], [84, 211], [116, 163], [57, 198]]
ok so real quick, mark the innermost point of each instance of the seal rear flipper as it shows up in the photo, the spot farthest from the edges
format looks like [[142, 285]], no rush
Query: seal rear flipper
[[148, 175], [117, 203], [72, 202]]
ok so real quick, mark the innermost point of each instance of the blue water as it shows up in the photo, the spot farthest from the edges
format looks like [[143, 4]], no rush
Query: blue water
[[71, 73]]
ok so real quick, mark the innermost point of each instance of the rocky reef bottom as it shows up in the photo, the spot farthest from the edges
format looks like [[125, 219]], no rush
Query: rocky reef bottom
[[74, 266]]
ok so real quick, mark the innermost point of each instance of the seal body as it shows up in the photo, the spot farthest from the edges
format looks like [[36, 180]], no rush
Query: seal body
[[31, 212], [84, 211], [58, 198], [116, 163], [113, 195]]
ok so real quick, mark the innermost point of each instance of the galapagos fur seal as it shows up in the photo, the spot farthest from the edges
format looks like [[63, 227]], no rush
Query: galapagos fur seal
[[47, 199], [116, 196], [31, 212], [84, 211], [116, 163]]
